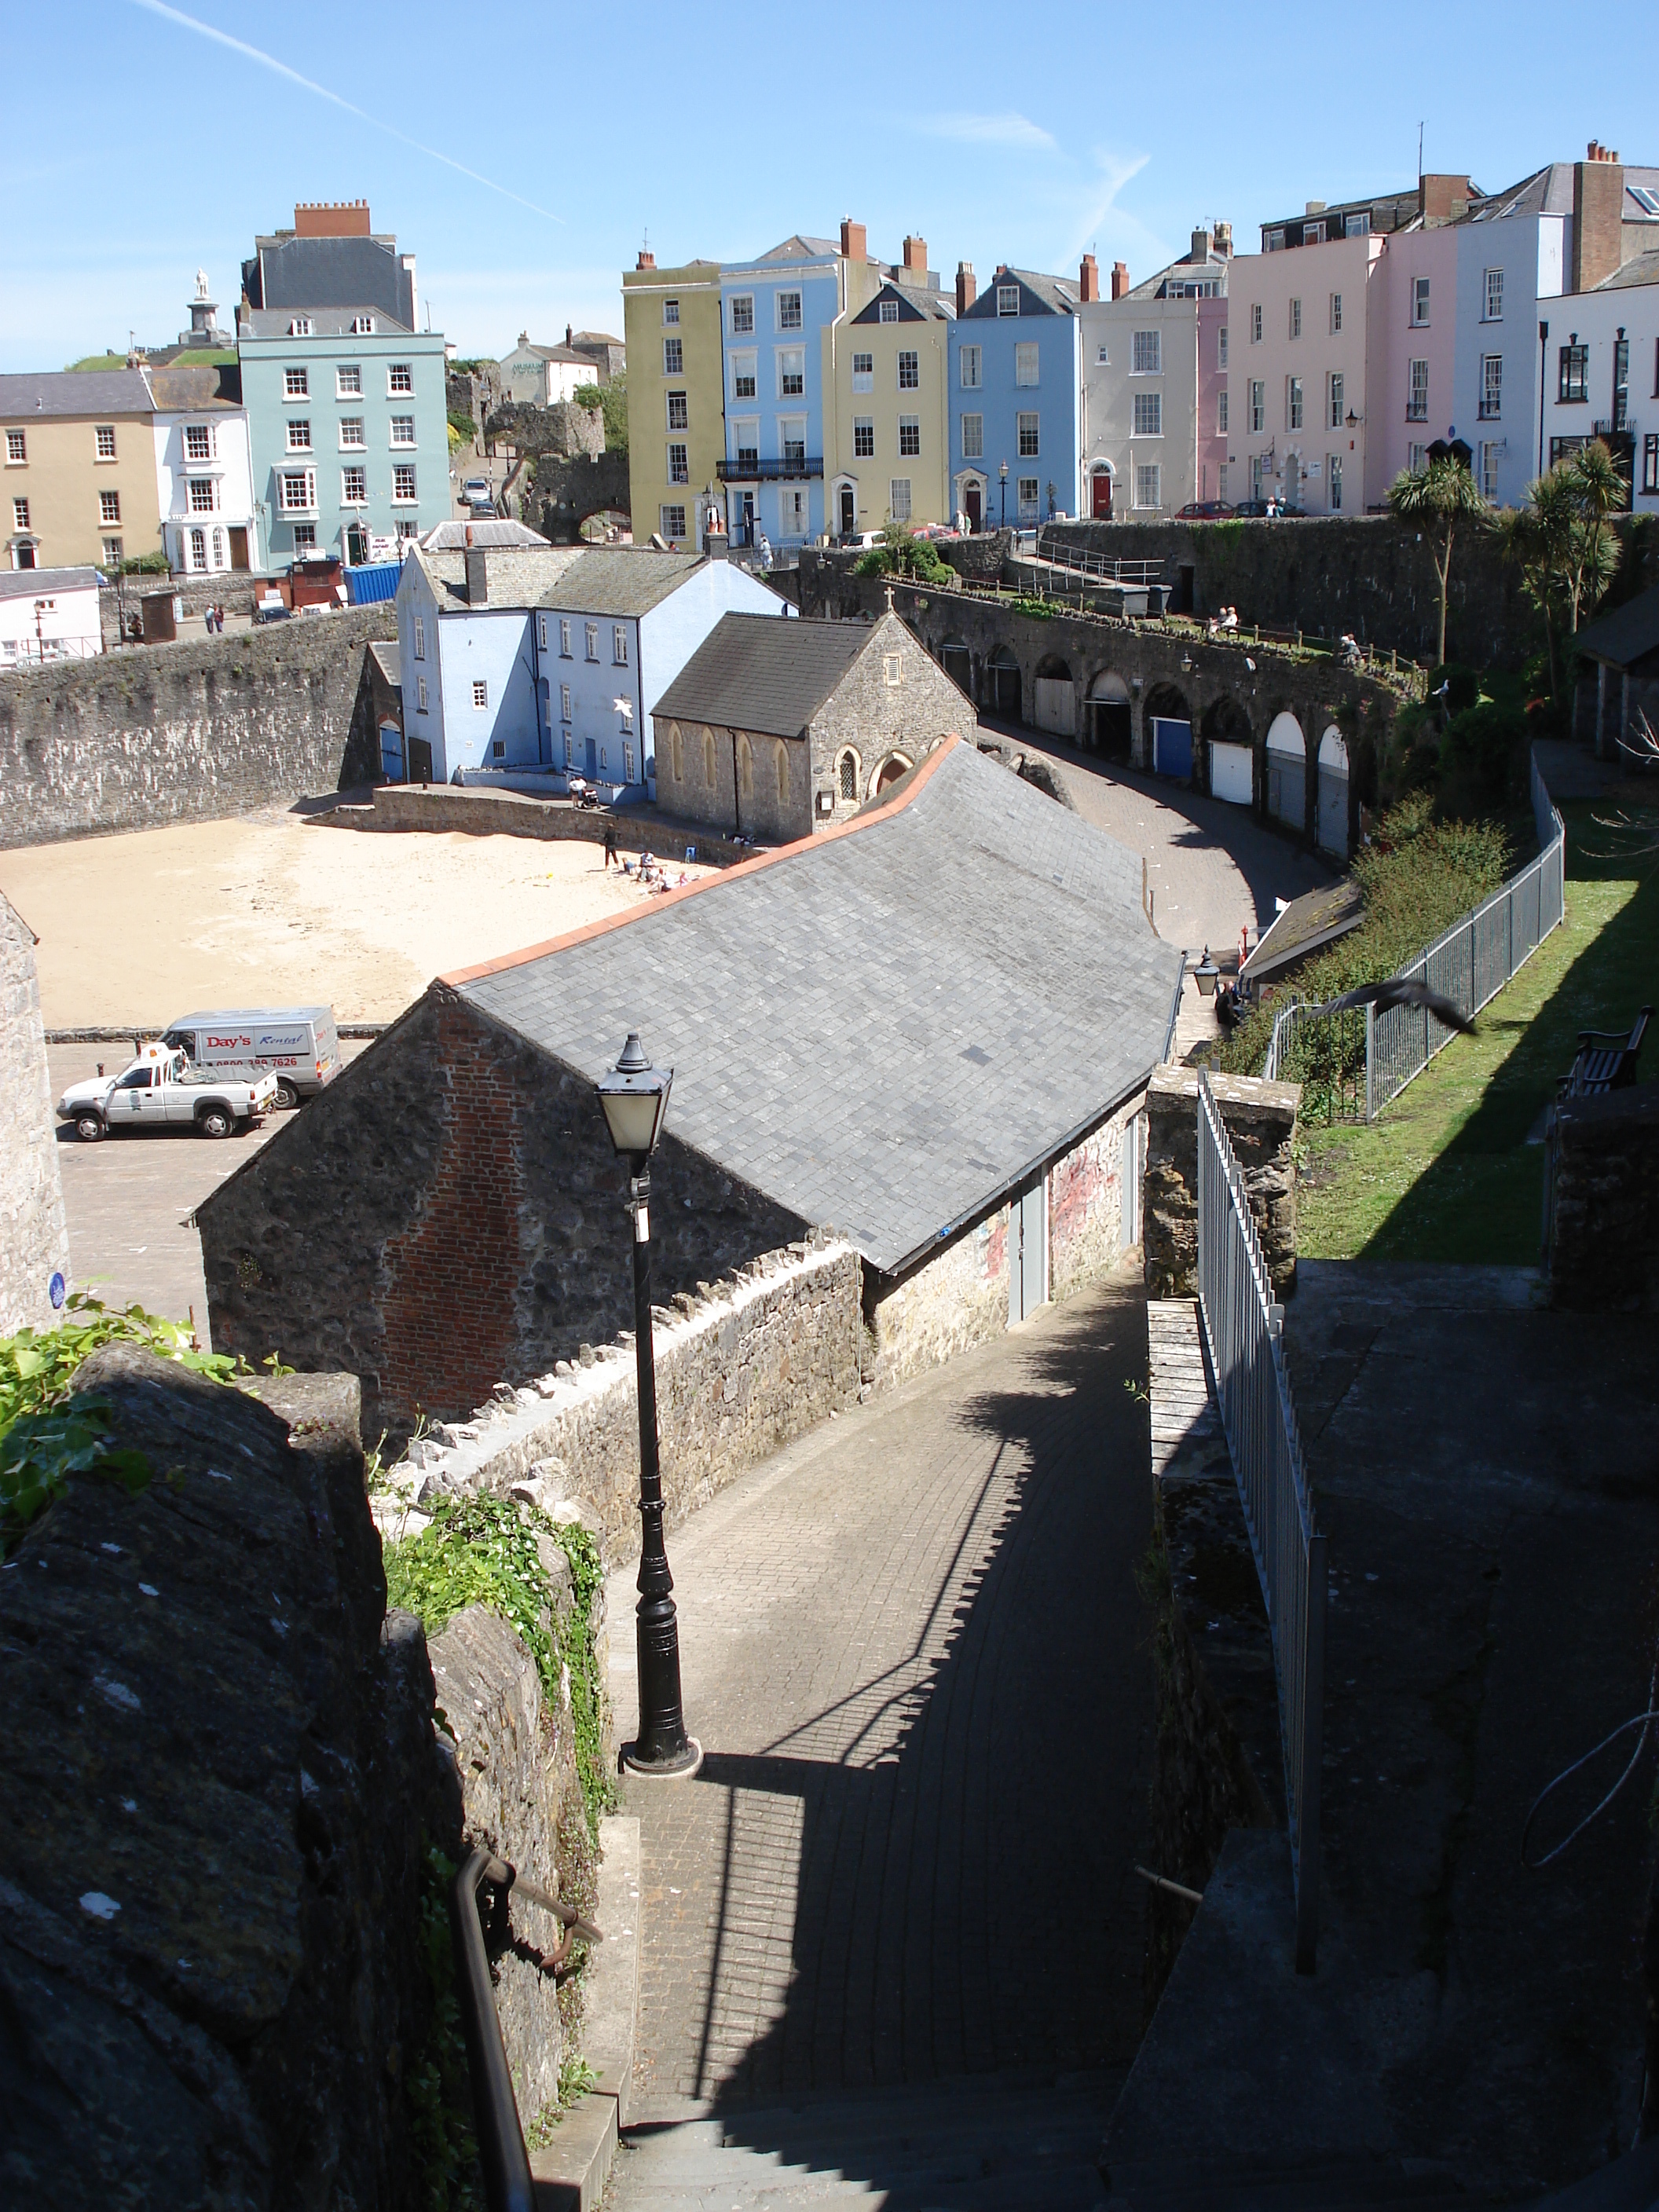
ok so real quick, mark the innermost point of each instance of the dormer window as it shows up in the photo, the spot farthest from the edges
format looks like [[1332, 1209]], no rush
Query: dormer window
[[362, 326], [1007, 299], [299, 327], [888, 312]]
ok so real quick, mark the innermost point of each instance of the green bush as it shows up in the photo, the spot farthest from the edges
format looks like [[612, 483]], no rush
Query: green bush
[[901, 554], [463, 425], [1463, 685], [589, 398], [145, 564]]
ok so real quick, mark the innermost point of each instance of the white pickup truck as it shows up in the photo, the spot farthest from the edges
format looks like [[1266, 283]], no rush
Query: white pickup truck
[[155, 1092]]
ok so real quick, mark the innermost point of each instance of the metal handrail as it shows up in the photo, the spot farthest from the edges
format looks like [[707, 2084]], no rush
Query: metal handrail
[[502, 2154]]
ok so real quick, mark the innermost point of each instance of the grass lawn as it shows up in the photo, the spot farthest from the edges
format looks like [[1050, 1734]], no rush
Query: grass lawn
[[1446, 1171]]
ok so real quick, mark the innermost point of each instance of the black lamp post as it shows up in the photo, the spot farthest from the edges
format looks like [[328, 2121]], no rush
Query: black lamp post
[[634, 1097], [1206, 975], [1002, 477]]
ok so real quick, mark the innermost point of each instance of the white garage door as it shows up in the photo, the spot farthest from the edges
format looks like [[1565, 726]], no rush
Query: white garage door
[[1230, 774], [1057, 706]]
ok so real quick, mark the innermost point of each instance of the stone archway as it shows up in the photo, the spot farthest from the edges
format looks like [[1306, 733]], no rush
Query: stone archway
[[890, 770], [1169, 729], [1332, 819], [1003, 686], [1228, 744], [957, 662], [1054, 698], [1109, 717], [1287, 771]]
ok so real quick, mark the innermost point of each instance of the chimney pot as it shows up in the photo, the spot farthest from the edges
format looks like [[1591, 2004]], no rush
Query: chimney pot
[[1120, 279], [1224, 241], [1088, 278], [855, 241], [916, 255], [645, 260], [1201, 247]]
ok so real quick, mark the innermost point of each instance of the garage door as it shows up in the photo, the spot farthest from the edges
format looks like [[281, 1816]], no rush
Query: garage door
[[1172, 747], [1230, 774], [1057, 706]]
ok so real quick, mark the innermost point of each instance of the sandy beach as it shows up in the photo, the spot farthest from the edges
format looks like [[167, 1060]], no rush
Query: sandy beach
[[265, 909]]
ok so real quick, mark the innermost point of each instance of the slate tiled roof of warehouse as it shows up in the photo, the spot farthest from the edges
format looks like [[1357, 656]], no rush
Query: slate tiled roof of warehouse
[[753, 673], [885, 1027]]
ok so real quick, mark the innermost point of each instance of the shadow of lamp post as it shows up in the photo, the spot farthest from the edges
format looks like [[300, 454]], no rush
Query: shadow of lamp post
[[635, 1098]]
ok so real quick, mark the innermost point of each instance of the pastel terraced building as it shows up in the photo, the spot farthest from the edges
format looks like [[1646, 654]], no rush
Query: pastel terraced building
[[1016, 375], [886, 366], [80, 487], [676, 420], [1155, 398]]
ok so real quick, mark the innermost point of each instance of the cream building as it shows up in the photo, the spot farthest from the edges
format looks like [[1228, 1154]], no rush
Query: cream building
[[886, 372], [79, 476], [676, 412], [1155, 398]]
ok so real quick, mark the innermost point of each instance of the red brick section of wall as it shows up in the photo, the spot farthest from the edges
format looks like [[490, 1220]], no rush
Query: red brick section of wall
[[450, 1278]]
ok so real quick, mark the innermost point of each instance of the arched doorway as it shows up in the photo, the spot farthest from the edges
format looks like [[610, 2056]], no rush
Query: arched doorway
[[1109, 724], [1334, 793], [890, 770], [969, 498], [844, 506], [1100, 491], [1054, 701], [1002, 684], [958, 664], [1232, 754], [1169, 725], [1287, 773]]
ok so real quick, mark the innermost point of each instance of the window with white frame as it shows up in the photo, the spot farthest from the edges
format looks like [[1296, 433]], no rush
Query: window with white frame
[[792, 372], [619, 645], [1030, 495], [1255, 325], [969, 362], [863, 437], [792, 439], [564, 637], [788, 311], [402, 430], [1493, 308], [888, 312], [480, 691], [105, 442], [540, 632], [973, 437], [1334, 481], [1334, 388], [1221, 414], [1417, 392], [743, 314], [1103, 358], [1007, 299], [1490, 450], [1336, 313], [1221, 480], [109, 507], [19, 514], [679, 417], [1650, 463], [670, 313], [299, 327], [349, 381], [17, 448], [1221, 347], [420, 637], [791, 514], [910, 434], [680, 464], [1025, 361], [400, 378], [1312, 234], [402, 484], [892, 669], [198, 548], [353, 487], [299, 433], [564, 688], [1258, 404], [1417, 459], [296, 384], [351, 432], [1492, 386], [744, 372], [1358, 226], [305, 537], [899, 502], [673, 357], [296, 490], [1029, 428], [1419, 302], [746, 444], [111, 552], [1149, 415], [198, 442], [1293, 403], [421, 695], [1296, 319], [362, 326], [592, 634], [1149, 484], [910, 370], [863, 371], [1147, 354], [204, 494]]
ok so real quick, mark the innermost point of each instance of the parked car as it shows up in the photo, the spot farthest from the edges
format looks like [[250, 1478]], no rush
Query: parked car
[[156, 1092], [300, 1046], [1205, 510], [475, 489], [1257, 508]]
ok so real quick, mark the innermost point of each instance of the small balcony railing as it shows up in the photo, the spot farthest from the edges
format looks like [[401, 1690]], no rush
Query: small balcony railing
[[744, 470]]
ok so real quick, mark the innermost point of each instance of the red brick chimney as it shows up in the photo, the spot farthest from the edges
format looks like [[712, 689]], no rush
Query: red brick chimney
[[1598, 208], [1441, 198], [1088, 278], [330, 219], [915, 257], [967, 287], [645, 260], [1120, 279], [855, 241]]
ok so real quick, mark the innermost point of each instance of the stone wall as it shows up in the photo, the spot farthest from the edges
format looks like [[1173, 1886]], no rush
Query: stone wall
[[1604, 1214], [564, 493], [1085, 1207], [1260, 1120], [482, 812], [33, 1240], [192, 732], [232, 589], [741, 1370]]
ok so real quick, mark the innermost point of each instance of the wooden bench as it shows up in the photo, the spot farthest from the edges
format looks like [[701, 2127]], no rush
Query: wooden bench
[[1606, 1061]]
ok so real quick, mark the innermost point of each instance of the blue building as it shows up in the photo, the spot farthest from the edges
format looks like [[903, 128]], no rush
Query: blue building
[[347, 428], [775, 313], [1015, 374]]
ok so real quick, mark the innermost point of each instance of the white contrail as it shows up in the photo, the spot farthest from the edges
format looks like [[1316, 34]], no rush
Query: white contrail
[[281, 69]]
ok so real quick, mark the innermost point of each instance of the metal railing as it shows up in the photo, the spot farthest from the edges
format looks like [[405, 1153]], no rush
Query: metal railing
[[1469, 964], [1243, 1332], [749, 470], [503, 2157], [1079, 561]]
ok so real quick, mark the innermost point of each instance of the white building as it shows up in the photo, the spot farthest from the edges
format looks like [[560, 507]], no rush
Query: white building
[[47, 615], [1601, 375], [210, 520], [539, 375], [522, 663], [1155, 399]]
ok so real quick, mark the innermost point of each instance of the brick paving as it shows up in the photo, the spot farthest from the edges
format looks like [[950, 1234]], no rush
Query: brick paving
[[915, 1658]]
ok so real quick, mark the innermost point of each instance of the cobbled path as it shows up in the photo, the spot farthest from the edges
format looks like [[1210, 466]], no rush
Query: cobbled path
[[915, 1656]]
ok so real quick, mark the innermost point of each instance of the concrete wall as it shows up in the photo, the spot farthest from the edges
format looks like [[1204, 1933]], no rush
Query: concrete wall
[[34, 1241], [1260, 1119], [192, 732], [1604, 1214]]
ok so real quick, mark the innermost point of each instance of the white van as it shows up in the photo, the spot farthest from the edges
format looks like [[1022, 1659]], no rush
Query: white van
[[299, 1045]]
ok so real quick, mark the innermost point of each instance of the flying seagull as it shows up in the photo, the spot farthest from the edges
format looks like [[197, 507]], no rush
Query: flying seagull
[[1400, 991]]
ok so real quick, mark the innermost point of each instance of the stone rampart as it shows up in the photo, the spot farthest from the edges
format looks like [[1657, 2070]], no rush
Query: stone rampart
[[1260, 1119], [1604, 1212], [206, 728], [33, 1240], [481, 812]]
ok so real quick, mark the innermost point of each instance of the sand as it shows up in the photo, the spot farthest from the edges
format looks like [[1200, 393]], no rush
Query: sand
[[138, 929]]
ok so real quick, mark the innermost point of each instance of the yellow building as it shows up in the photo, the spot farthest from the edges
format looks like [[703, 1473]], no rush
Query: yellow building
[[888, 450], [80, 487], [676, 418]]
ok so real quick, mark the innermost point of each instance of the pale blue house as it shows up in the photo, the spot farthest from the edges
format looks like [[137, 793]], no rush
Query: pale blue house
[[1016, 372]]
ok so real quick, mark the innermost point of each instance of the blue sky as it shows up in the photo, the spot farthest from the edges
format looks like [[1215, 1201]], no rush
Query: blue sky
[[523, 154]]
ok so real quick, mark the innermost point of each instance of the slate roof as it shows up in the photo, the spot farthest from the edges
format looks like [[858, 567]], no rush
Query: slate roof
[[326, 322], [1640, 268], [450, 537], [888, 1027], [1626, 636], [1053, 296], [197, 390], [754, 673], [1318, 917], [620, 579], [518, 576], [76, 392], [915, 305], [800, 247], [45, 583]]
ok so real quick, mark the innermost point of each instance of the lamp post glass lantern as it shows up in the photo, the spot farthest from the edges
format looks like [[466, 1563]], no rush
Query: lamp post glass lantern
[[634, 1096], [1002, 479], [1206, 975]]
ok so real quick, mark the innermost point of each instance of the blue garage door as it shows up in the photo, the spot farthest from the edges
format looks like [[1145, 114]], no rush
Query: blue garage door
[[1172, 748]]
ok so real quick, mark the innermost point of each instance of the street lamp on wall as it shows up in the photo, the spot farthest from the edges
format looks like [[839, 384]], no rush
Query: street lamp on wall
[[634, 1096], [1002, 479]]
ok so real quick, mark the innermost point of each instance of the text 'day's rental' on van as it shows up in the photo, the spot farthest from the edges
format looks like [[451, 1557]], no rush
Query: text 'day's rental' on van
[[299, 1045]]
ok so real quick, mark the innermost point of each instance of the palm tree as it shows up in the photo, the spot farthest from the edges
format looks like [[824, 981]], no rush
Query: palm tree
[[1438, 500], [1563, 543]]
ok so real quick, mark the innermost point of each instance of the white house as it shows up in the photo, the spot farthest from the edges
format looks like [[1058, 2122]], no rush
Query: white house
[[1601, 375], [210, 520], [540, 375], [530, 662], [48, 614]]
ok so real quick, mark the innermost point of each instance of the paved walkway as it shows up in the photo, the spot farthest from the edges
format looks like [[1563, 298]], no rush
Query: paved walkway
[[915, 1658]]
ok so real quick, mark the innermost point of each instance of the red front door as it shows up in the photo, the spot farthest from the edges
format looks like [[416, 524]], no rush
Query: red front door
[[1103, 505], [973, 507]]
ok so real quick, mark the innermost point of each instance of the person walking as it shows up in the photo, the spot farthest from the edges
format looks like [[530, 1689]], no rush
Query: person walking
[[610, 844]]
